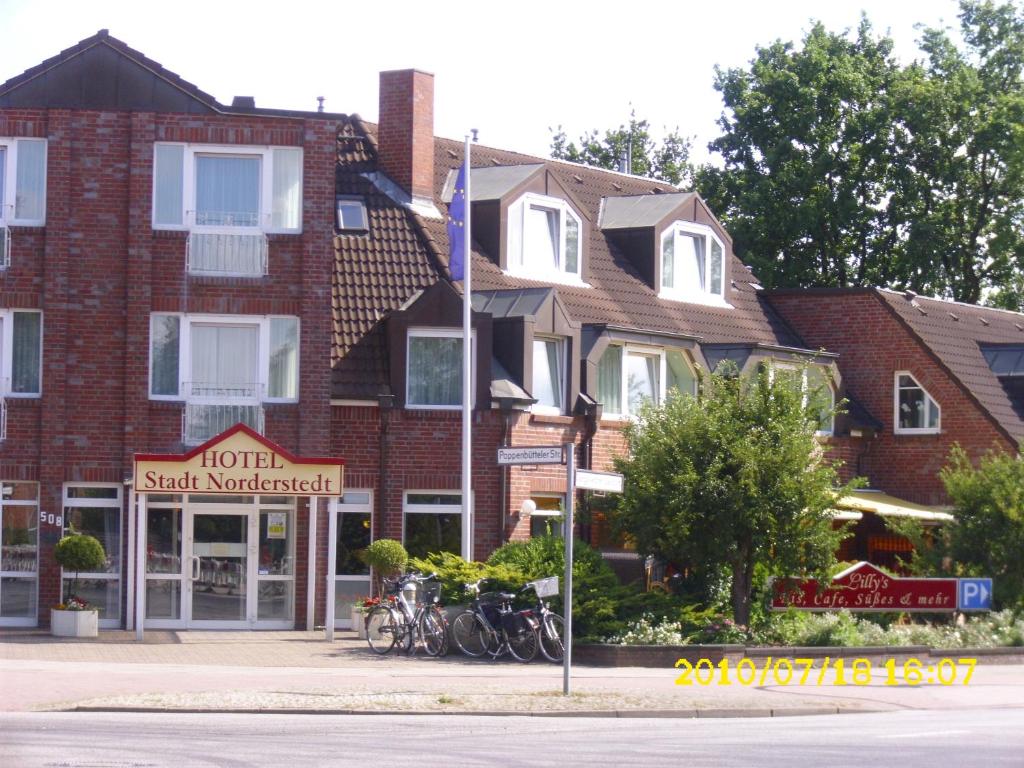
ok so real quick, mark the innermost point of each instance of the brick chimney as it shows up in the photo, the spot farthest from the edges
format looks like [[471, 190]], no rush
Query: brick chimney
[[405, 131]]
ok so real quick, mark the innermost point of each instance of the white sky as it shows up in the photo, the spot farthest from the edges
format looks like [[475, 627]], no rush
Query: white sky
[[510, 69]]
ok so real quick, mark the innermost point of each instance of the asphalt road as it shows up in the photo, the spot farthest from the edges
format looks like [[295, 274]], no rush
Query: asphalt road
[[909, 739]]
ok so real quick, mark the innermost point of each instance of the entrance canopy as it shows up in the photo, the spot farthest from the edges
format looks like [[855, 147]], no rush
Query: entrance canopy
[[854, 504], [238, 461]]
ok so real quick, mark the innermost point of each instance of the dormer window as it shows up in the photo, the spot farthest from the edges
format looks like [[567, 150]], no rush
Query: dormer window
[[544, 239], [692, 264]]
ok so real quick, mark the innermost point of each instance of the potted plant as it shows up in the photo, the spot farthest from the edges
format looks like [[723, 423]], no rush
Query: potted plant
[[360, 608], [386, 558], [75, 617]]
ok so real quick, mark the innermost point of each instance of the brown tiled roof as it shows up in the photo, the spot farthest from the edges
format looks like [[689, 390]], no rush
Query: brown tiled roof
[[380, 272], [953, 333]]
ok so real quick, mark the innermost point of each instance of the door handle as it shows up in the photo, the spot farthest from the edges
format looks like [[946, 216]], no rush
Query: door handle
[[196, 565]]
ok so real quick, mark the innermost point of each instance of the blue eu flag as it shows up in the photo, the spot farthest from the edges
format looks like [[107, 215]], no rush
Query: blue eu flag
[[456, 228]]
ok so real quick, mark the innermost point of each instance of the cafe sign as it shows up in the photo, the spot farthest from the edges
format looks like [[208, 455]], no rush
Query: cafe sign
[[863, 587], [238, 461]]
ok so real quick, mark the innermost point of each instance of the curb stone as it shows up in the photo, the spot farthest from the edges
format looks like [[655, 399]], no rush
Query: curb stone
[[602, 713]]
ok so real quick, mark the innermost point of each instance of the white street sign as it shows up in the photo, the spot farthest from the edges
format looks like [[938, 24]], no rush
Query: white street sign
[[537, 454], [610, 482]]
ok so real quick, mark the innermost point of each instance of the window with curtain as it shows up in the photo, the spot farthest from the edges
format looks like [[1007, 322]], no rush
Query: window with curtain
[[227, 191], [433, 523], [548, 373], [284, 358], [27, 353], [821, 397], [692, 262], [643, 380], [609, 380], [258, 188], [225, 360], [544, 238], [23, 202], [434, 369], [679, 375], [916, 411]]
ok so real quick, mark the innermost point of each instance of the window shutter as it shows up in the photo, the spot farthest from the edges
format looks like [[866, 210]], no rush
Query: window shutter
[[27, 352], [168, 185], [30, 183], [286, 210]]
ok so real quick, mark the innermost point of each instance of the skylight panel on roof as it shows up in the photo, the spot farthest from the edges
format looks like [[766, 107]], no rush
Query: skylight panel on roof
[[351, 214]]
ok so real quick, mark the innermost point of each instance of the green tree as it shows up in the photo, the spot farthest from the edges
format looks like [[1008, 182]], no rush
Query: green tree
[[79, 552], [731, 482], [959, 171], [668, 161], [806, 143], [988, 536]]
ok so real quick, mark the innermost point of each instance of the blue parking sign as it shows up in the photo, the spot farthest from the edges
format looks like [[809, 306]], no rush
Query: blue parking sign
[[975, 595]]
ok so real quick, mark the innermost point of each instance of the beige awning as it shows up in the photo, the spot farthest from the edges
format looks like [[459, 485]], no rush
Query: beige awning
[[884, 505]]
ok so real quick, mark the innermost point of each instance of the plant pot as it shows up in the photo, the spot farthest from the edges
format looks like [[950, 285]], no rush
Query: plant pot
[[74, 623], [359, 623]]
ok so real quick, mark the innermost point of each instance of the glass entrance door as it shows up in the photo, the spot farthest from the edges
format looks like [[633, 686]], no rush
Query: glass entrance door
[[220, 569]]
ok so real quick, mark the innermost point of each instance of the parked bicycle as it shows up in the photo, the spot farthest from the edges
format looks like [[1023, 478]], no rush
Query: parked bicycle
[[409, 616], [490, 626], [551, 626]]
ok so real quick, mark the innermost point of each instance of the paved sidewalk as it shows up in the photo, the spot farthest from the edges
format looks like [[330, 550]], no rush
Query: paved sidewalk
[[299, 671]]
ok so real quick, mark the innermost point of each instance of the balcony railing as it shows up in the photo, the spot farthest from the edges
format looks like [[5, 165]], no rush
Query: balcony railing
[[5, 247], [234, 391], [201, 421], [219, 253]]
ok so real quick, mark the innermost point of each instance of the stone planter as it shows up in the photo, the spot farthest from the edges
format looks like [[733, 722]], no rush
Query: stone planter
[[359, 623], [74, 623]]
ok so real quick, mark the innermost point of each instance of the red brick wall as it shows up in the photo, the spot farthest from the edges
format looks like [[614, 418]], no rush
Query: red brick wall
[[98, 269], [873, 345]]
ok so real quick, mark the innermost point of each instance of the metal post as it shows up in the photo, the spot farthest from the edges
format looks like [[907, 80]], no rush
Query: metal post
[[570, 497], [467, 371], [314, 507], [332, 553], [129, 622], [140, 566]]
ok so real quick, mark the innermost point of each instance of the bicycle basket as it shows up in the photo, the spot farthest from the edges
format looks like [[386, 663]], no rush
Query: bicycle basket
[[431, 592], [545, 587]]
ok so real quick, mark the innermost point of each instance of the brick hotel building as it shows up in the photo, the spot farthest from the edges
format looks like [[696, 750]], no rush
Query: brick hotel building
[[174, 266]]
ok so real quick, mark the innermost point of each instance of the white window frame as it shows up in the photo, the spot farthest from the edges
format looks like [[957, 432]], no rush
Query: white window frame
[[516, 242], [8, 208], [438, 333], [562, 370], [432, 509], [638, 350], [679, 293], [897, 429], [118, 503], [186, 321], [547, 513], [7, 348], [688, 362], [338, 507], [41, 518], [188, 202]]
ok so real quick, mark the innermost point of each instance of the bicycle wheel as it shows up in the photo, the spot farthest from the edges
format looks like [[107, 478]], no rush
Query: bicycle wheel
[[434, 631], [523, 646], [552, 637], [381, 629], [469, 634]]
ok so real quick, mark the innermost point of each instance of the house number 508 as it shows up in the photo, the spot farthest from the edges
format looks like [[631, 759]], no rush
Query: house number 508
[[51, 519]]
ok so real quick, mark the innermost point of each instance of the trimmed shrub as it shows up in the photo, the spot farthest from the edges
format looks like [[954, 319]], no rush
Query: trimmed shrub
[[79, 552]]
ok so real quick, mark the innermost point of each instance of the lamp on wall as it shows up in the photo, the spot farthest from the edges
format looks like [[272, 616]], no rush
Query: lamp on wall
[[527, 508]]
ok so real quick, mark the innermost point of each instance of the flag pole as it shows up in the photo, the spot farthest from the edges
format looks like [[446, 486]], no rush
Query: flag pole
[[467, 372]]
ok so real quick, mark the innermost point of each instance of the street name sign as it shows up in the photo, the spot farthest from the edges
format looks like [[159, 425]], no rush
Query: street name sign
[[975, 595], [531, 454], [609, 482]]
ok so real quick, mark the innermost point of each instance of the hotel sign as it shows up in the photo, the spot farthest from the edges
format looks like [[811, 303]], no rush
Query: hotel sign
[[863, 587], [238, 461]]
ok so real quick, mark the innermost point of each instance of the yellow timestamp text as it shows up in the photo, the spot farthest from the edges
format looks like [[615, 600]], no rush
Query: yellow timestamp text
[[826, 671]]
